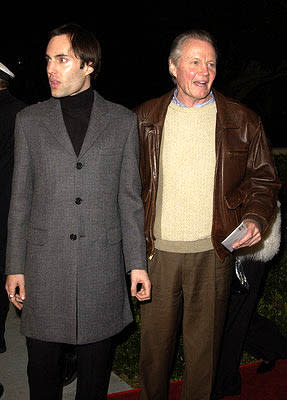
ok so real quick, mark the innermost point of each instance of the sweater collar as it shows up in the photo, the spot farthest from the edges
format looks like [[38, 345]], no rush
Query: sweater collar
[[179, 103], [79, 102]]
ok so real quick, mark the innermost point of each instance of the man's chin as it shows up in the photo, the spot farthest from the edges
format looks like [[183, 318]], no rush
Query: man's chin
[[56, 93]]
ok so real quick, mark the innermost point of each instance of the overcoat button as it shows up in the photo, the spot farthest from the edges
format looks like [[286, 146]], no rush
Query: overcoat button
[[79, 165], [78, 200], [73, 236]]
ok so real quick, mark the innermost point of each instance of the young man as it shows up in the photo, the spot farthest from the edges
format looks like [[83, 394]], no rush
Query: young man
[[205, 167], [76, 219]]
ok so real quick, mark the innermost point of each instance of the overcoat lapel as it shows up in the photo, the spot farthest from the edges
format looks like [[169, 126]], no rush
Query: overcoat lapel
[[55, 124], [98, 121]]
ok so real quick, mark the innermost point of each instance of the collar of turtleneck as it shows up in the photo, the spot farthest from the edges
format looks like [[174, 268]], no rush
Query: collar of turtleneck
[[79, 102], [76, 113]]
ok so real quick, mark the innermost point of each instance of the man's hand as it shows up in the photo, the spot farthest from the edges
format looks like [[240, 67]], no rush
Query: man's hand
[[139, 276], [252, 236], [12, 283]]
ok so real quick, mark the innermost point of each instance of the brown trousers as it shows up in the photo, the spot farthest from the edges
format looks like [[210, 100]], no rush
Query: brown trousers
[[192, 288]]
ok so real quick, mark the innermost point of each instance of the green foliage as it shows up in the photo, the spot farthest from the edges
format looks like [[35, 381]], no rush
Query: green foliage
[[273, 304], [126, 357]]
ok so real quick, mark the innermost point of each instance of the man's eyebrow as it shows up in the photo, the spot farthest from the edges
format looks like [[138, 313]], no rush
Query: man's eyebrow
[[57, 55]]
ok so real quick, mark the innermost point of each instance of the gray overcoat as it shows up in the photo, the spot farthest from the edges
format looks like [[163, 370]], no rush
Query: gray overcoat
[[75, 223]]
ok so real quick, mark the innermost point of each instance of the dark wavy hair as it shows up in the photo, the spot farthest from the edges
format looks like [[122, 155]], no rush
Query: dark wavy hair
[[84, 44]]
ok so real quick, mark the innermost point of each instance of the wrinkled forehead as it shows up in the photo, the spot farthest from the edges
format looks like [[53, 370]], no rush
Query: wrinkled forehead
[[198, 46]]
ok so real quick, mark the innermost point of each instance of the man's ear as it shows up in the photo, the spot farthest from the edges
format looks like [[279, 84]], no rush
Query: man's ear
[[172, 68], [88, 68]]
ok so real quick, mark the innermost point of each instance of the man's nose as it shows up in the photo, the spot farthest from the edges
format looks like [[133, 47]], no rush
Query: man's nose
[[50, 67], [204, 69]]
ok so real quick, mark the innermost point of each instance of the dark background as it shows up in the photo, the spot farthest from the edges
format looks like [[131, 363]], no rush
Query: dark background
[[135, 40]]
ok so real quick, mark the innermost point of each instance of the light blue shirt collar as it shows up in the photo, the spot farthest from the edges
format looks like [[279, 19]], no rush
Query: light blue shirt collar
[[176, 101]]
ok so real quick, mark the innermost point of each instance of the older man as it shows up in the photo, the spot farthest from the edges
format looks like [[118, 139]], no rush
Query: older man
[[76, 219], [205, 167]]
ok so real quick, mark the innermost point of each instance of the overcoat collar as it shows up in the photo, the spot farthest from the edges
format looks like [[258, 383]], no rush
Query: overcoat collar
[[54, 122]]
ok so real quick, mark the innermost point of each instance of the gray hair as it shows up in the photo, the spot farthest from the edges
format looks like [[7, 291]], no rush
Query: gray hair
[[176, 46]]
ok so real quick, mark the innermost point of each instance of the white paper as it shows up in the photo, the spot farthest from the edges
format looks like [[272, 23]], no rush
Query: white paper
[[237, 234]]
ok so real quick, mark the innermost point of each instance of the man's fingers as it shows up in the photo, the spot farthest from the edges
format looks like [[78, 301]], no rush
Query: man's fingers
[[133, 288], [254, 240], [16, 301], [17, 304], [22, 293], [16, 283], [144, 293], [252, 236], [140, 277]]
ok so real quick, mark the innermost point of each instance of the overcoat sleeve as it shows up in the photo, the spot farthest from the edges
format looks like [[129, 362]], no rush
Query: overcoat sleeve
[[130, 203], [20, 205]]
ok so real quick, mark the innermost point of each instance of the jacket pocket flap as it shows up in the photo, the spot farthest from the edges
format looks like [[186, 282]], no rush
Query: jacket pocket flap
[[109, 151], [234, 199]]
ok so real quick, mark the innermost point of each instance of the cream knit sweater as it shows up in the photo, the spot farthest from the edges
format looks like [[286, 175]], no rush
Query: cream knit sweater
[[184, 204]]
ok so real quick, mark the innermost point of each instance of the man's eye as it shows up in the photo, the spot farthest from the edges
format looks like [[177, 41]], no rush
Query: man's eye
[[63, 59]]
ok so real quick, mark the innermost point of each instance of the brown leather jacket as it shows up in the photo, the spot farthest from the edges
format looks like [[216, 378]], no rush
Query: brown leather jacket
[[246, 182]]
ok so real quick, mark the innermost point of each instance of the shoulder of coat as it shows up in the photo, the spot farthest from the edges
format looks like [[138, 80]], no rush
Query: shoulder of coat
[[114, 109], [37, 109], [233, 109]]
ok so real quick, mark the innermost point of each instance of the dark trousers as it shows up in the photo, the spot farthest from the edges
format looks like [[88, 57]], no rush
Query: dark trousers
[[192, 289], [45, 369], [245, 329], [4, 307], [264, 340]]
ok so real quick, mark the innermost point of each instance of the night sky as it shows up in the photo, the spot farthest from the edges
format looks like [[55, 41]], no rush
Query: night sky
[[135, 40]]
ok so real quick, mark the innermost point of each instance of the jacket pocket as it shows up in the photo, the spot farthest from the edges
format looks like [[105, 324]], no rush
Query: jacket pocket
[[234, 199], [239, 153], [110, 151]]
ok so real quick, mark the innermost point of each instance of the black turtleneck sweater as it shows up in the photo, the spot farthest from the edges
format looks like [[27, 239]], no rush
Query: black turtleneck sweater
[[76, 113]]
